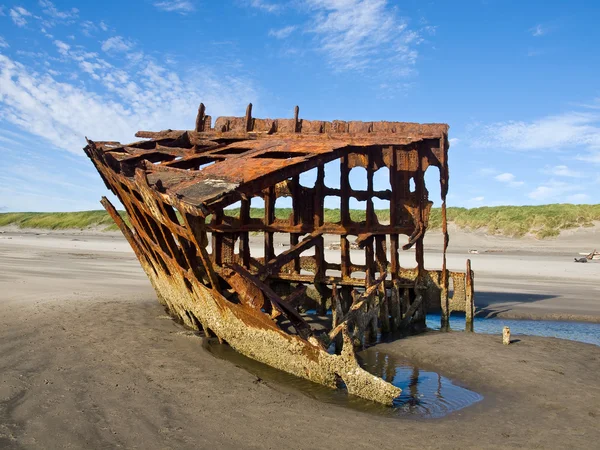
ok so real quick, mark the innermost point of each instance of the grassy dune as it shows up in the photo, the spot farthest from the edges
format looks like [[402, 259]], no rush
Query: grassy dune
[[541, 221]]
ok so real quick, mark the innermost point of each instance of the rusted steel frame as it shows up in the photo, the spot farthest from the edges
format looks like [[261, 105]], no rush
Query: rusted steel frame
[[382, 263], [290, 313], [217, 239], [244, 236], [110, 209], [412, 310], [359, 195], [275, 264], [267, 180], [138, 215], [444, 180], [279, 226], [329, 280], [199, 238], [296, 217], [358, 303], [469, 297], [171, 247], [269, 196], [394, 183]]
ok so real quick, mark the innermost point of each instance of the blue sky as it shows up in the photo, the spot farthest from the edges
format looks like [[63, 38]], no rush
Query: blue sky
[[517, 82]]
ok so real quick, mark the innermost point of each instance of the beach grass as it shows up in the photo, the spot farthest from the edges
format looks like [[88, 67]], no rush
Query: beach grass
[[543, 221]]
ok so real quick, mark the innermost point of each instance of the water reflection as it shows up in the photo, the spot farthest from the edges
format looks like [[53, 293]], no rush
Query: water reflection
[[424, 394]]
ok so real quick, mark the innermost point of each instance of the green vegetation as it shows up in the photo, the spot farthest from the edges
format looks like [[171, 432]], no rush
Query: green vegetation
[[542, 221], [60, 221]]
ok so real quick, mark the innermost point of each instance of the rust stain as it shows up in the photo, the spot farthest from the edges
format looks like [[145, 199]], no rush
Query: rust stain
[[175, 186]]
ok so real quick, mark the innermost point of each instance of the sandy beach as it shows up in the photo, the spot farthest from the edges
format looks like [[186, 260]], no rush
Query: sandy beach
[[89, 359]]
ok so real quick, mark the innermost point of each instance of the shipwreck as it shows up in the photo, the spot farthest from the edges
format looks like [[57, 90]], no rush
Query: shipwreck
[[291, 301]]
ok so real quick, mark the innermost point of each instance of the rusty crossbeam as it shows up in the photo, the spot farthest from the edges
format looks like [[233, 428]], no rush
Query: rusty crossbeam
[[176, 187]]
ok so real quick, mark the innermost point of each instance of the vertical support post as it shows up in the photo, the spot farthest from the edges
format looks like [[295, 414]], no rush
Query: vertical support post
[[217, 238], [345, 191], [384, 314], [337, 316], [420, 315], [444, 299], [296, 217], [269, 219], [469, 298], [244, 236], [345, 221], [395, 309], [320, 245]]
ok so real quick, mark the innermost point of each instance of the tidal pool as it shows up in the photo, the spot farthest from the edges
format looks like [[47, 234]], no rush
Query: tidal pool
[[425, 394], [575, 331]]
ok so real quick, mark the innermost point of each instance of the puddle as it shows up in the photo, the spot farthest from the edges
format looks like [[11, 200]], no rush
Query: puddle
[[425, 395], [575, 331]]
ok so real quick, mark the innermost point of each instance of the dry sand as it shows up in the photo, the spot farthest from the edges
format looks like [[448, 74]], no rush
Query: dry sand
[[89, 360]]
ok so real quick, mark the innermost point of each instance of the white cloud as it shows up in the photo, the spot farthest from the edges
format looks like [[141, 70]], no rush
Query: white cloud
[[574, 129], [486, 171], [359, 34], [282, 33], [148, 96], [179, 6], [554, 191], [117, 44], [562, 171], [3, 43], [50, 10], [538, 30], [509, 179], [18, 15], [88, 28], [578, 198], [265, 5], [454, 141], [477, 199]]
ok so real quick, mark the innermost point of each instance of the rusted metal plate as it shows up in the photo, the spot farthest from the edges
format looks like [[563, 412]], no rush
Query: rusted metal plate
[[175, 187]]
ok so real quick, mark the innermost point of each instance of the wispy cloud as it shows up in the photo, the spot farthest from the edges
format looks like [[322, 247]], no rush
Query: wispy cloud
[[538, 30], [562, 171], [282, 33], [357, 34], [573, 129], [3, 43], [108, 100], [509, 179], [179, 6], [18, 14], [117, 44], [553, 191], [264, 5], [578, 198], [56, 15]]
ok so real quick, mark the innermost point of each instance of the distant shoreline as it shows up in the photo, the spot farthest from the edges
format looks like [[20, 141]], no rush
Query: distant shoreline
[[540, 222]]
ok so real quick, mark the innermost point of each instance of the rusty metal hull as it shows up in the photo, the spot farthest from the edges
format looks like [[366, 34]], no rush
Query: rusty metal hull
[[176, 186]]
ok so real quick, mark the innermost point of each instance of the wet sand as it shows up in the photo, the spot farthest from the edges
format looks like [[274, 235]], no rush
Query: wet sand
[[89, 360]]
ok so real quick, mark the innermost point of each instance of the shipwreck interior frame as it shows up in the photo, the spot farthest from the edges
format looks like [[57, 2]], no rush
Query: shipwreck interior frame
[[176, 188]]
